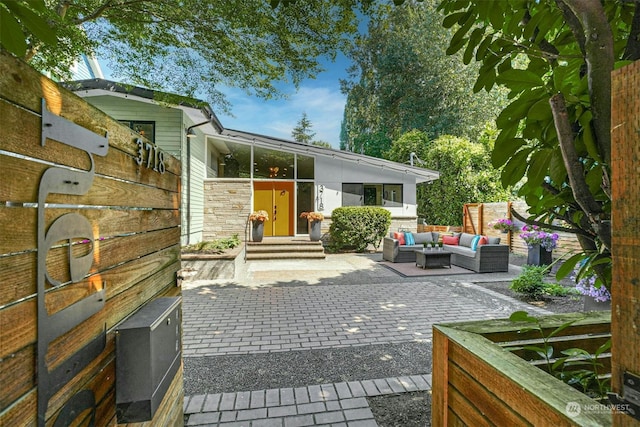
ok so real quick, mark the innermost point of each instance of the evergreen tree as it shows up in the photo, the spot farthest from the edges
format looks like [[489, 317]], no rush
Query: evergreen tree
[[302, 132]]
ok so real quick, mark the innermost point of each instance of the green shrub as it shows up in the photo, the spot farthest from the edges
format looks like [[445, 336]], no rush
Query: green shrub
[[556, 290], [355, 227], [530, 282], [213, 246]]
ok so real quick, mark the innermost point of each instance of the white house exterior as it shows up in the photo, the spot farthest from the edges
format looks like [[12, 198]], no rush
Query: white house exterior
[[227, 174]]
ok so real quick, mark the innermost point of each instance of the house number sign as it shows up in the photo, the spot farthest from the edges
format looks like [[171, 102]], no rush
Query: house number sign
[[69, 227], [151, 155]]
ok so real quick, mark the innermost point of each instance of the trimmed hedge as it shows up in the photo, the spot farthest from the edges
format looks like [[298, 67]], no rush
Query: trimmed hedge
[[355, 227]]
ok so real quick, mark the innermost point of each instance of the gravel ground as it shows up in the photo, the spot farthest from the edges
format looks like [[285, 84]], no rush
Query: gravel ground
[[300, 368]]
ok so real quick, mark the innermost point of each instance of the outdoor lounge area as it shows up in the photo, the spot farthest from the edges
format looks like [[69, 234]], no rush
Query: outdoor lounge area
[[481, 254]]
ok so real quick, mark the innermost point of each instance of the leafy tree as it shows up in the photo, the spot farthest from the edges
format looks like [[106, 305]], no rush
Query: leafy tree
[[401, 79], [466, 174], [302, 132], [555, 133], [324, 144], [185, 45]]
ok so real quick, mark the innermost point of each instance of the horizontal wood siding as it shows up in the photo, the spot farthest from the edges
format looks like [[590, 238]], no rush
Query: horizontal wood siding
[[134, 215], [477, 382], [169, 126]]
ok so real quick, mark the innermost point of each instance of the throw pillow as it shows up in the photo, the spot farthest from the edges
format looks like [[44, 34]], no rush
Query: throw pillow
[[474, 242], [466, 239], [483, 240], [494, 240], [399, 236], [408, 237], [450, 240]]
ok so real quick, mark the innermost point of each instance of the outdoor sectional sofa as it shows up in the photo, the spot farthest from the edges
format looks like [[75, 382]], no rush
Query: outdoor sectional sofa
[[486, 258]]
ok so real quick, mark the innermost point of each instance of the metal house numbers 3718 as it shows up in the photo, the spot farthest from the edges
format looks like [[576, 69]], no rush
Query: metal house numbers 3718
[[150, 156]]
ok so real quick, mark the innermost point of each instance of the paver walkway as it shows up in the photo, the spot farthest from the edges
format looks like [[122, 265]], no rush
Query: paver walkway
[[339, 404], [338, 302]]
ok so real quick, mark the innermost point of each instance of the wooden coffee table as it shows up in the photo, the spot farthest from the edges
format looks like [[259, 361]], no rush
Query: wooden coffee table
[[430, 258]]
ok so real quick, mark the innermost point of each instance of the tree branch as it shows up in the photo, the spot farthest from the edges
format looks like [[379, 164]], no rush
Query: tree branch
[[632, 50], [572, 230], [598, 50], [581, 193]]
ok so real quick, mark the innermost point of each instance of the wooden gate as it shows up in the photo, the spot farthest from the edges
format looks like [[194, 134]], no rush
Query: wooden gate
[[89, 233]]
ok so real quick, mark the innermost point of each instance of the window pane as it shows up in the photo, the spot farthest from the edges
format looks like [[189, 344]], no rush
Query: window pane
[[306, 167], [272, 164], [352, 194], [145, 129], [304, 197], [236, 161], [392, 195], [373, 194]]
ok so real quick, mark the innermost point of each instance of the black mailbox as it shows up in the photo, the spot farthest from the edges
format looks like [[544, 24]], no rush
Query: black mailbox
[[148, 355]]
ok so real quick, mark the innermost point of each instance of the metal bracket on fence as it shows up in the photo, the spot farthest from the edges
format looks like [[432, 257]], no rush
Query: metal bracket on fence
[[629, 402]]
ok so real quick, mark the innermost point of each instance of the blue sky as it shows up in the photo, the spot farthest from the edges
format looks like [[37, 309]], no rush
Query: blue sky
[[320, 98]]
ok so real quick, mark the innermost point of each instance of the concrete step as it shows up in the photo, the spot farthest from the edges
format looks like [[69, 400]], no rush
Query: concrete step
[[284, 248], [284, 255]]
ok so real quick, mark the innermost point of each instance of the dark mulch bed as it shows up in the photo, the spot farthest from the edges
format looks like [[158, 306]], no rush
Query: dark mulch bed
[[564, 304]]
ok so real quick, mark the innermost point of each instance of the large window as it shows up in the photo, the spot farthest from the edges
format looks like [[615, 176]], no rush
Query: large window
[[235, 161], [387, 195], [146, 129]]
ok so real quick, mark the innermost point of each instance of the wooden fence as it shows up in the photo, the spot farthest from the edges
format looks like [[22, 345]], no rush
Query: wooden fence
[[478, 217], [89, 233], [625, 220]]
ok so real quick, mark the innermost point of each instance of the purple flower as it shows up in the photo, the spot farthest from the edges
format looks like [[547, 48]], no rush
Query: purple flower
[[587, 286], [535, 236]]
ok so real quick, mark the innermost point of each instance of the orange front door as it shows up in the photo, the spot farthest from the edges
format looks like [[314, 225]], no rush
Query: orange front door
[[275, 197]]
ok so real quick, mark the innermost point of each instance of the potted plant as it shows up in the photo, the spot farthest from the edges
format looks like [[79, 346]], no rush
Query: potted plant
[[596, 296], [540, 243], [504, 225], [315, 224], [257, 219], [440, 245]]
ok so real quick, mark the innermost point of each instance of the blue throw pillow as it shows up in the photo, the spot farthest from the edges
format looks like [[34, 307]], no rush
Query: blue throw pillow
[[474, 242], [408, 237]]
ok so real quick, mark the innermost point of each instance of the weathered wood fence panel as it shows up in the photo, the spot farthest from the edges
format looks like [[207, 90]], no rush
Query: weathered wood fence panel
[[116, 242], [625, 219], [478, 217], [476, 382]]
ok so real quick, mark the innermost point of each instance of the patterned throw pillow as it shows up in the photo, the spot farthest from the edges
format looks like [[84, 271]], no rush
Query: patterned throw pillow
[[399, 236], [450, 240], [408, 237]]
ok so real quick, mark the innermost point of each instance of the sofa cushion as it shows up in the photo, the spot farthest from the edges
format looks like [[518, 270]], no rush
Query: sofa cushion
[[493, 240], [466, 239], [450, 240], [426, 237], [408, 237], [399, 236], [484, 240]]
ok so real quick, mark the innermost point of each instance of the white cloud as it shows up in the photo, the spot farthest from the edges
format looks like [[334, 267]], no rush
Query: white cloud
[[324, 107]]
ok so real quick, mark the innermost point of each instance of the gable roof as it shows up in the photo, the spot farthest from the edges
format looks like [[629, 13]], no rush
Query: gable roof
[[97, 87]]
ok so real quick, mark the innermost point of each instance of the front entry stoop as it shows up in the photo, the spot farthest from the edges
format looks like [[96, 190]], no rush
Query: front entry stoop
[[284, 248]]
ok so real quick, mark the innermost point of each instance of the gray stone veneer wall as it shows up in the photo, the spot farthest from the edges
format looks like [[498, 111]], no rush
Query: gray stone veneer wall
[[227, 205]]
